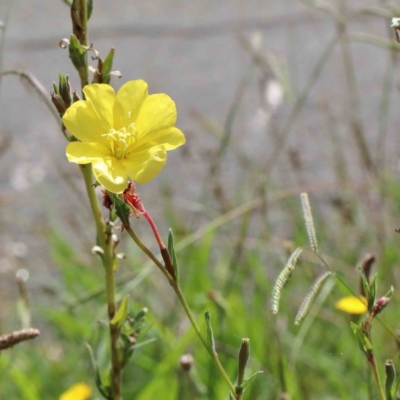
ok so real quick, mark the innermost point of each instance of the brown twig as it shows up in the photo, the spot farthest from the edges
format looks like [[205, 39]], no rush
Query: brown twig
[[10, 339]]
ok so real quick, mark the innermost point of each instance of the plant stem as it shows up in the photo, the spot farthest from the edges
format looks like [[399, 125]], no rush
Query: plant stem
[[105, 242], [185, 306], [377, 378], [103, 234], [82, 7]]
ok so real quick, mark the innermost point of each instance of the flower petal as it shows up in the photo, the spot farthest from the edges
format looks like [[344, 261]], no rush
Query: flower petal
[[110, 173], [80, 391], [102, 98], [83, 122], [352, 305], [144, 165], [158, 113], [129, 100], [85, 153], [169, 138]]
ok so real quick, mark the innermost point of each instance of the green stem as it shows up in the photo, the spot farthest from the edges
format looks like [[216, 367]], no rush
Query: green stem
[[105, 242], [103, 232], [185, 306], [372, 361], [82, 9], [377, 379]]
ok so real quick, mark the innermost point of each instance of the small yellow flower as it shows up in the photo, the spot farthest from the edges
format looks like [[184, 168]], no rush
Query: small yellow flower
[[352, 305], [79, 391], [122, 135]]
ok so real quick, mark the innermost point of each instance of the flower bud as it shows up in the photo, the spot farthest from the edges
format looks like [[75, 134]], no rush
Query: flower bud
[[243, 358], [186, 362], [64, 88], [380, 305], [58, 103]]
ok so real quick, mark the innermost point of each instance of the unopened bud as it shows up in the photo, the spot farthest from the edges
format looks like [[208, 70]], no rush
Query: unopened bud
[[64, 89], [186, 362], [107, 202], [75, 97], [243, 358], [58, 103], [390, 372], [380, 305]]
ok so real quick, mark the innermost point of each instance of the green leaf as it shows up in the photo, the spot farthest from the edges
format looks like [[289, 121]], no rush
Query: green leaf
[[372, 292], [76, 53], [64, 88], [104, 389], [107, 66], [395, 386], [55, 89], [210, 334], [365, 285], [121, 209], [249, 381], [363, 343], [121, 314], [171, 250], [389, 294], [89, 9]]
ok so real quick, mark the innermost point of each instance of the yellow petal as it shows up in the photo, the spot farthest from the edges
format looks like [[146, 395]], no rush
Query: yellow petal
[[83, 122], [352, 305], [102, 98], [130, 98], [111, 174], [85, 153], [158, 113], [79, 391], [170, 139], [145, 165]]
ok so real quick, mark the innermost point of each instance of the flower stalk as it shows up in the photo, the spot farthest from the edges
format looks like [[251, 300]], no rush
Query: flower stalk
[[182, 300]]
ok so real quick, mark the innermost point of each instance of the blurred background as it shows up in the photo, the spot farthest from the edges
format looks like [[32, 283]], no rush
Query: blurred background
[[275, 98]]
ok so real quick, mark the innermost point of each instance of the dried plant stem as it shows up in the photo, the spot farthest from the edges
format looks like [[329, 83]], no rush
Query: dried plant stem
[[181, 297], [11, 339]]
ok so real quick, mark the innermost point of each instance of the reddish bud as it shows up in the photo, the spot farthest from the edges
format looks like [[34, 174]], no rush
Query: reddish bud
[[380, 305], [107, 202], [133, 201]]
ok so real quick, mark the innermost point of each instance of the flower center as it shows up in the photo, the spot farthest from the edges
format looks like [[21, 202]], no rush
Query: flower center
[[121, 141]]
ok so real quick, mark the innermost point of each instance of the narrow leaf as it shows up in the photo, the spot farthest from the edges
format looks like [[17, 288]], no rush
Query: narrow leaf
[[121, 208], [310, 297], [389, 294], [249, 381], [372, 292], [171, 250], [308, 218], [363, 343], [105, 390], [210, 334], [366, 286], [121, 314], [89, 9], [107, 65]]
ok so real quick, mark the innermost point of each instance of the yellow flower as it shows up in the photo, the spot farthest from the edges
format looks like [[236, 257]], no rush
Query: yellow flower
[[122, 135], [352, 305], [80, 391]]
